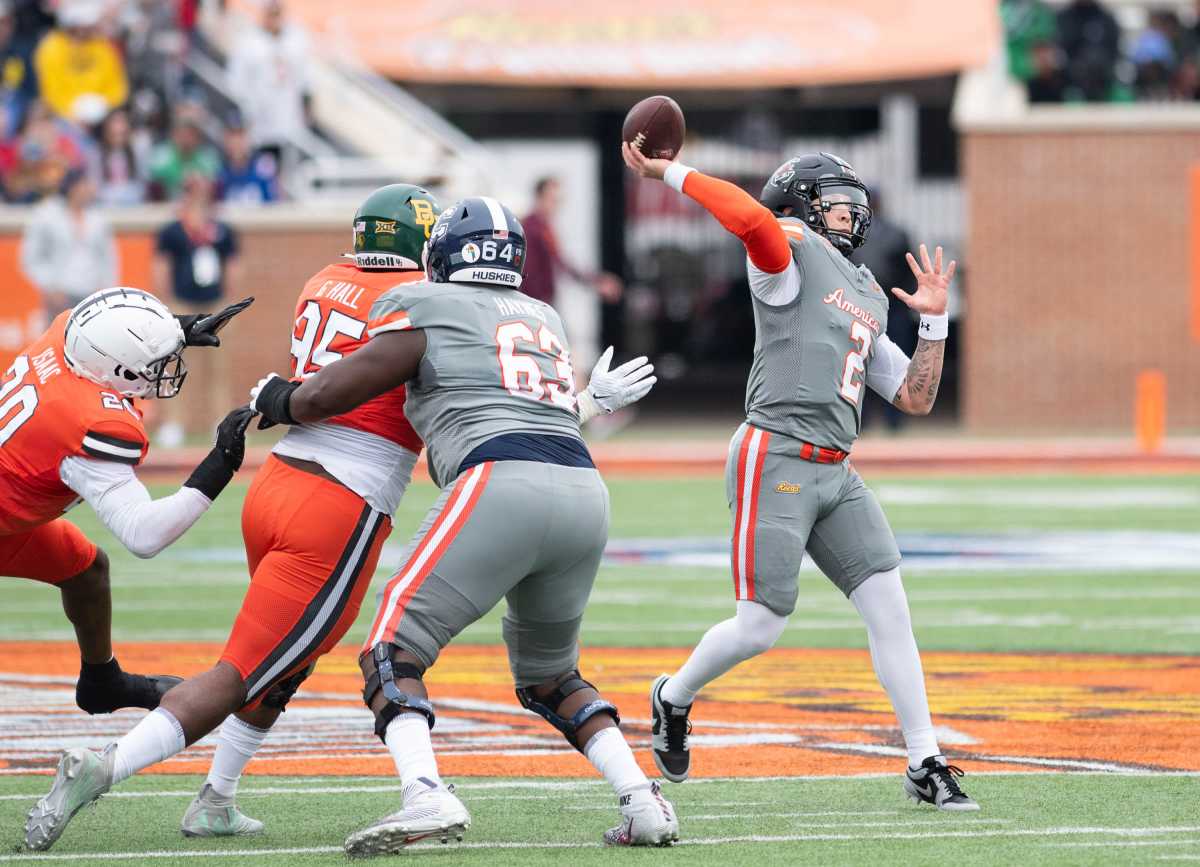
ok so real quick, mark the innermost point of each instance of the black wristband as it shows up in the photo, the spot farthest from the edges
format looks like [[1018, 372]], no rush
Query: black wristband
[[274, 400], [211, 475]]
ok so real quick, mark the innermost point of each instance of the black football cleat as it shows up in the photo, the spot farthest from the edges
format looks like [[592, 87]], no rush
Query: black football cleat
[[96, 695], [934, 783], [669, 730]]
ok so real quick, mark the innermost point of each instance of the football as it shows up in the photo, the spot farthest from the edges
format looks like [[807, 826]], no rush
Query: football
[[655, 126]]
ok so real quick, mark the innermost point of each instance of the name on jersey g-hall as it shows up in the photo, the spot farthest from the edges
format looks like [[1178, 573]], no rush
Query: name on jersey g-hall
[[519, 308], [837, 298], [341, 291]]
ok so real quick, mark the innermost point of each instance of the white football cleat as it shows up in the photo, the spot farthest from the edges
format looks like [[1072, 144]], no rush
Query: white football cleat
[[213, 815], [434, 812], [646, 821], [82, 777]]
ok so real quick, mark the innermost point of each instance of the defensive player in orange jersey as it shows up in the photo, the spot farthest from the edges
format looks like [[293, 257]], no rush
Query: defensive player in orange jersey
[[314, 522], [68, 431]]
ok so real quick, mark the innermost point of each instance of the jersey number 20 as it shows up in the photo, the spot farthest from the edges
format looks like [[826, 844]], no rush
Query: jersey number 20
[[522, 375], [23, 399]]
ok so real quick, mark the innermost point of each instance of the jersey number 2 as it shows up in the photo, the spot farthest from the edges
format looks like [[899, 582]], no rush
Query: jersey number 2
[[23, 399], [520, 372], [855, 364]]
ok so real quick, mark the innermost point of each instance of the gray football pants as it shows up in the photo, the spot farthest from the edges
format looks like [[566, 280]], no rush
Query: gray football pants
[[526, 532]]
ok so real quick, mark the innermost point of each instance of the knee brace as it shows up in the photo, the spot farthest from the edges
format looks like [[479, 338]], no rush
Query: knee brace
[[281, 692], [547, 707], [384, 678]]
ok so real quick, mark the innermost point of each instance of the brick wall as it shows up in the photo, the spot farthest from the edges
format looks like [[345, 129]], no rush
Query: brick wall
[[1079, 264]]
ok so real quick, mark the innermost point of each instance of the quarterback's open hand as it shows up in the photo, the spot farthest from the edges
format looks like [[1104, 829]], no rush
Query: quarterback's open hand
[[933, 284], [642, 164], [200, 329], [629, 383]]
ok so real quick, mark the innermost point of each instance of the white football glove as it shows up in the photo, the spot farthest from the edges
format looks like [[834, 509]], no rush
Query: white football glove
[[254, 391], [609, 390]]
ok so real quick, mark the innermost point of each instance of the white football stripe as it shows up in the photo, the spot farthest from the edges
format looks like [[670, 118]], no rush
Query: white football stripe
[[745, 529], [108, 448], [499, 221], [439, 533]]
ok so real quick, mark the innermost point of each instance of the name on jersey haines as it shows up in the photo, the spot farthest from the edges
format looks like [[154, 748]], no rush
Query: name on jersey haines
[[509, 307], [341, 291], [838, 299]]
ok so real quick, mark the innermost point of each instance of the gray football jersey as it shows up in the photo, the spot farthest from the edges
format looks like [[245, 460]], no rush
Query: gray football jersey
[[811, 356], [496, 362]]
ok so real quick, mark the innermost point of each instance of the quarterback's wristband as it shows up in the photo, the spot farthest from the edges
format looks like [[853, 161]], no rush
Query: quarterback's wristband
[[933, 327], [675, 174], [211, 475]]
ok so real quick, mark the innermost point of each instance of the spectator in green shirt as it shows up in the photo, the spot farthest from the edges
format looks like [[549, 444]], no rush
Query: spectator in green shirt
[[1027, 23], [183, 155]]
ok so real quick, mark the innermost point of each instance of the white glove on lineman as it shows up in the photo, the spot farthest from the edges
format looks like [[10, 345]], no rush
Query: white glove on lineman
[[254, 391], [609, 390]]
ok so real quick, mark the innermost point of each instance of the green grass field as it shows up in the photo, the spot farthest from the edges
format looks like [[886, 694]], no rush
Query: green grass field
[[1052, 564]]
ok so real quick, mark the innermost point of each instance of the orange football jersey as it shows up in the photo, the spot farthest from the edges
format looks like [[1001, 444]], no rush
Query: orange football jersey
[[48, 413], [332, 320]]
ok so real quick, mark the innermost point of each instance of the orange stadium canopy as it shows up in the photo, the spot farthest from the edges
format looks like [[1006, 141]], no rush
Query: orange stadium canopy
[[636, 44]]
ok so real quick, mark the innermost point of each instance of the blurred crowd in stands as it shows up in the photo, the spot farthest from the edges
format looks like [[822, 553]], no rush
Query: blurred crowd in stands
[[102, 89], [1080, 52]]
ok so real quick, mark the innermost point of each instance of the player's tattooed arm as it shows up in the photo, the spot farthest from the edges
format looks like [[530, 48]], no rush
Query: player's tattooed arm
[[919, 389], [389, 360], [918, 392]]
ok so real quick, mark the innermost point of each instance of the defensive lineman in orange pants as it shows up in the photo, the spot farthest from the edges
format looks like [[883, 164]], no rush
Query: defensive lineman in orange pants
[[820, 327], [69, 432]]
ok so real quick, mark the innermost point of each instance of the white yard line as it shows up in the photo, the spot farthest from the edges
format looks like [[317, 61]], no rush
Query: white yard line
[[924, 834]]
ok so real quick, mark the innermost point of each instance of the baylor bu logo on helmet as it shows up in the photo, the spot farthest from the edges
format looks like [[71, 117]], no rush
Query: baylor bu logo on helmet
[[127, 340], [478, 240]]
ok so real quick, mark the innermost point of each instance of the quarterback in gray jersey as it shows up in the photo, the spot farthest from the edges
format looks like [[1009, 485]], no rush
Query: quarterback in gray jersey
[[523, 514], [820, 324]]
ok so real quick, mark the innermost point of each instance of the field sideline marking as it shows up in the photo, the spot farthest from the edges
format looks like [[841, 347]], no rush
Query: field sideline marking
[[698, 841]]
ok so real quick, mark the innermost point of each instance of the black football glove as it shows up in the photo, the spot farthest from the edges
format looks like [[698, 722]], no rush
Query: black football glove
[[216, 470], [272, 397], [200, 329]]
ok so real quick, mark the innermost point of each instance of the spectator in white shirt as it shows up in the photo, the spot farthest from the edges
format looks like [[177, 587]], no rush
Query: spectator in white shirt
[[267, 74], [68, 251]]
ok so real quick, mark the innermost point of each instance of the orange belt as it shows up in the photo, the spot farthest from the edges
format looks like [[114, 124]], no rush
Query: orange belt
[[818, 455]]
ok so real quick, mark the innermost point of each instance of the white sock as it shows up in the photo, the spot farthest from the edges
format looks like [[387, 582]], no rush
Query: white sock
[[237, 742], [158, 736], [881, 602], [407, 738], [608, 751], [753, 630]]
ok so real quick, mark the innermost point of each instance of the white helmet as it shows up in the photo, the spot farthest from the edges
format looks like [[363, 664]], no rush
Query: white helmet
[[127, 340]]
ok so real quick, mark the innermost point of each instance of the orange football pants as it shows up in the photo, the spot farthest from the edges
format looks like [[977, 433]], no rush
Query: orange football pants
[[51, 553], [312, 547]]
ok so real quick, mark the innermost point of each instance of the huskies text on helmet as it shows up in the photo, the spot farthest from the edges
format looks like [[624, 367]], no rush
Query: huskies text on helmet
[[477, 240]]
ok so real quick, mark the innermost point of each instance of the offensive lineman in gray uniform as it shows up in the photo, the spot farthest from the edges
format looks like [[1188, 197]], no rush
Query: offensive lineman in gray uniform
[[523, 513], [820, 326]]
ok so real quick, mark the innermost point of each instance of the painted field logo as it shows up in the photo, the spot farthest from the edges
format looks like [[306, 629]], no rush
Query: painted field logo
[[788, 712]]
